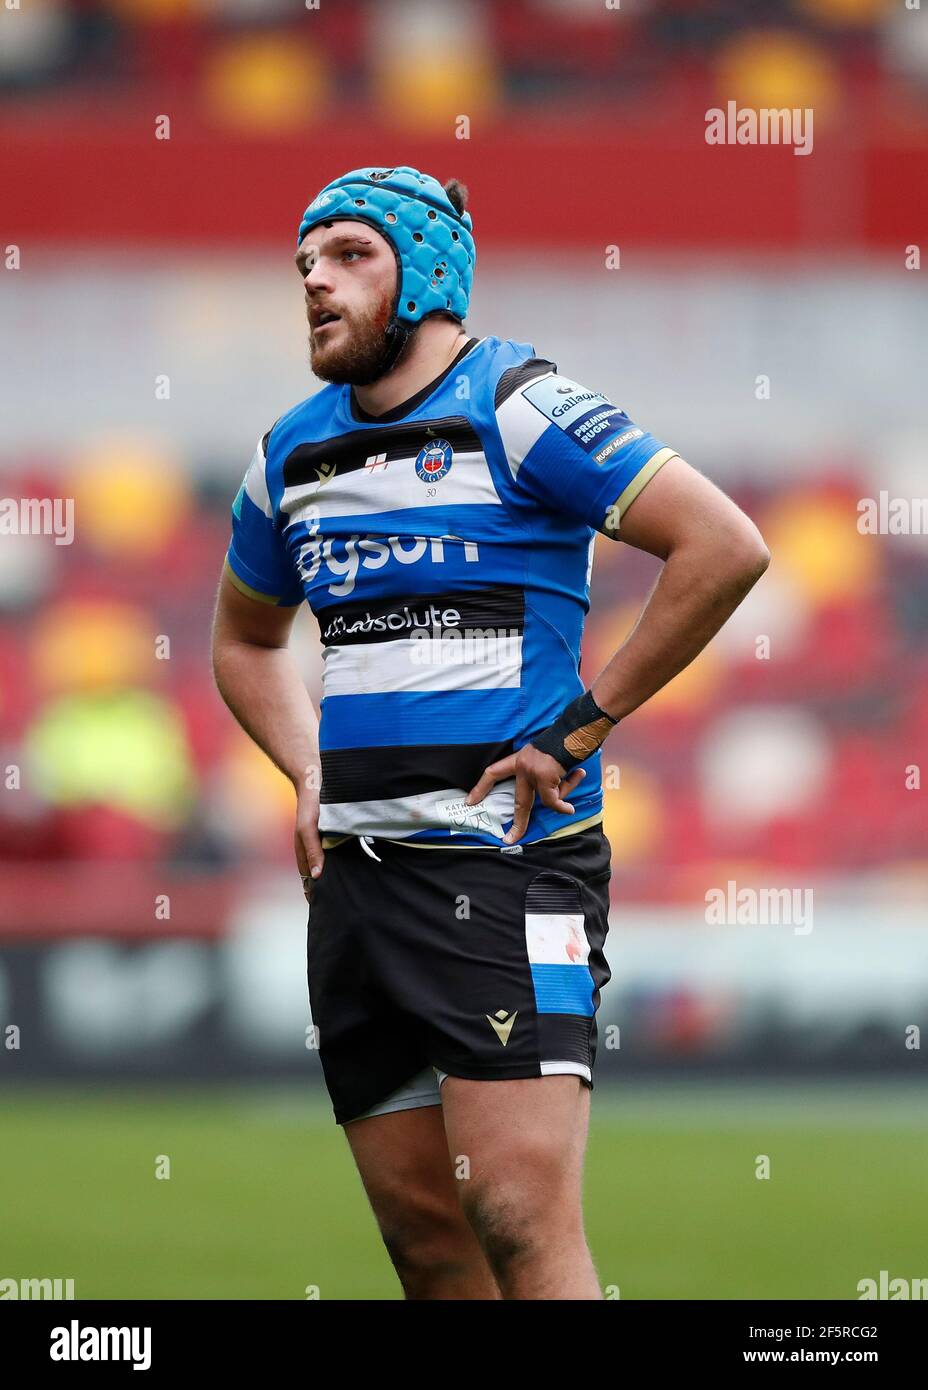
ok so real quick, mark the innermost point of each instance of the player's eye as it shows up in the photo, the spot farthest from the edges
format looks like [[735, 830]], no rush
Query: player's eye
[[350, 253]]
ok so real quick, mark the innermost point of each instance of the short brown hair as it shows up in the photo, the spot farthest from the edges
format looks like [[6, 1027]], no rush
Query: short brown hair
[[457, 194]]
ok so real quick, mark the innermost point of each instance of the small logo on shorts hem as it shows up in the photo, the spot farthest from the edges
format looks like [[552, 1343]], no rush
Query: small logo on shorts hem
[[501, 1023]]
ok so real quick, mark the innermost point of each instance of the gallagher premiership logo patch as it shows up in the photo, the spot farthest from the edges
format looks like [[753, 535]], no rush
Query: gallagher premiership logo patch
[[588, 417], [433, 460]]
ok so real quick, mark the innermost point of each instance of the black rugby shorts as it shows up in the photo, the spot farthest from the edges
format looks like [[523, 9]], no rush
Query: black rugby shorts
[[479, 963]]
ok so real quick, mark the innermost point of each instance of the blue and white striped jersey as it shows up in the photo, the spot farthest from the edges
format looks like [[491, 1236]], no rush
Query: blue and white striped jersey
[[445, 548]]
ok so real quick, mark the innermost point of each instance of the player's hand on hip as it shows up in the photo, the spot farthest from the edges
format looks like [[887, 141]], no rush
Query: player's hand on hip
[[306, 840], [536, 774]]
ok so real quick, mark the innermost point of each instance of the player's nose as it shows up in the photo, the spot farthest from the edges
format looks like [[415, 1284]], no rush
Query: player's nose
[[317, 278]]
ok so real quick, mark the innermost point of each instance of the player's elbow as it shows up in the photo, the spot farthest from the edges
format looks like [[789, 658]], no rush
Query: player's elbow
[[744, 554]]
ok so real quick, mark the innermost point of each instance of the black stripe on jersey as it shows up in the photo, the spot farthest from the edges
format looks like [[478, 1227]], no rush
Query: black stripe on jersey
[[381, 774], [346, 624], [516, 377], [349, 452]]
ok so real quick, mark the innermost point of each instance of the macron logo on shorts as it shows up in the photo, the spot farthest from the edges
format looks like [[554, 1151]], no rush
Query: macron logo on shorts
[[501, 1023]]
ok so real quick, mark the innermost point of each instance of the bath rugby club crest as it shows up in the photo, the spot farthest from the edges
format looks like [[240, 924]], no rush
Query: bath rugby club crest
[[434, 460]]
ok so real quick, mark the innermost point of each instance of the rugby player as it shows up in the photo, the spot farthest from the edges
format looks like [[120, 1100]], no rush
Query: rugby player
[[436, 504]]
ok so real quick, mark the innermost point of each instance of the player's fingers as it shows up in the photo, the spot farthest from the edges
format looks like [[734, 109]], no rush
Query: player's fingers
[[302, 861], [309, 856], [312, 844], [549, 797], [571, 781], [525, 800], [496, 772], [480, 789]]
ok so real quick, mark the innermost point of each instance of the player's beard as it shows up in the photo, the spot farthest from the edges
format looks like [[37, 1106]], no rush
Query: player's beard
[[360, 357]]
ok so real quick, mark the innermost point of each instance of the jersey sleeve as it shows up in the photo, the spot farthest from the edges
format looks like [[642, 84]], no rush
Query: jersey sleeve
[[570, 449], [257, 561]]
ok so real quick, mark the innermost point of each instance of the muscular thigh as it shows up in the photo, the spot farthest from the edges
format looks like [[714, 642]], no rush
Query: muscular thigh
[[524, 1141], [405, 1167], [520, 1134]]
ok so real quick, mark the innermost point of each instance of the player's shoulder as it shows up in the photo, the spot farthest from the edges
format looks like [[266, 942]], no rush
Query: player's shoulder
[[533, 394], [311, 415], [309, 419], [509, 365]]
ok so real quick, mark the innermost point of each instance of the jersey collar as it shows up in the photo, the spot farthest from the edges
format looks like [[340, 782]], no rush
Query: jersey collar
[[398, 412]]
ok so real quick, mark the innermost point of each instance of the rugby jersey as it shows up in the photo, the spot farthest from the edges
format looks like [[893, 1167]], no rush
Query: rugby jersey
[[445, 548]]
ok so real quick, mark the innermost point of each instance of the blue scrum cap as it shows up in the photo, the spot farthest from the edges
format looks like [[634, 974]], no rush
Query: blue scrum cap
[[433, 242]]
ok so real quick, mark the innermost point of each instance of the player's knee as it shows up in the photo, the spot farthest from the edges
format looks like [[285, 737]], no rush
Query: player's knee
[[428, 1243], [516, 1208], [504, 1227]]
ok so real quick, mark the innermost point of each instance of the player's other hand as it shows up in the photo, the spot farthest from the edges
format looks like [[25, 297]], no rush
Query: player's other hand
[[306, 841], [536, 774]]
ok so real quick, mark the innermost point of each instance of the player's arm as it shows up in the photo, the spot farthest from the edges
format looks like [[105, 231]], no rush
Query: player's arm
[[713, 555], [259, 680], [588, 461], [259, 595]]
